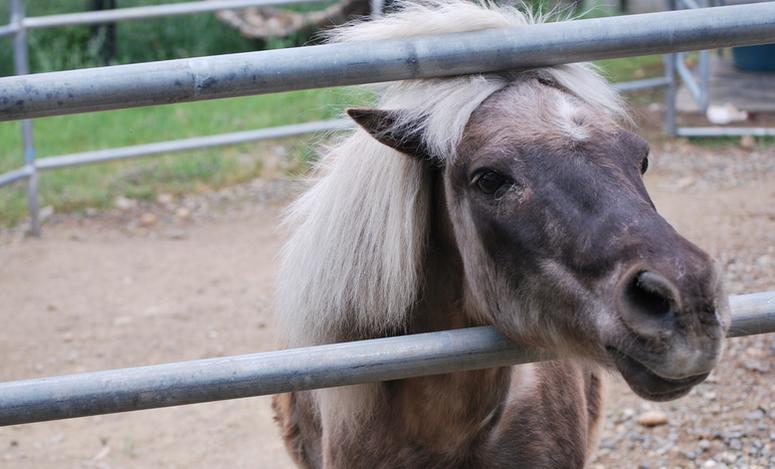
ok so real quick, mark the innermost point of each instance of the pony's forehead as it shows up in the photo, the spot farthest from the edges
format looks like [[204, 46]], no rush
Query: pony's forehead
[[439, 109], [530, 111]]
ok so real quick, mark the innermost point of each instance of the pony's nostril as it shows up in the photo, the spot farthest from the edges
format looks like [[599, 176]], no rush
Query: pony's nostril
[[650, 294]]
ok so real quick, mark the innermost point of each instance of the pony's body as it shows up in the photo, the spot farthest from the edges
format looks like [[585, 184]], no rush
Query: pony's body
[[499, 418], [509, 199], [538, 415]]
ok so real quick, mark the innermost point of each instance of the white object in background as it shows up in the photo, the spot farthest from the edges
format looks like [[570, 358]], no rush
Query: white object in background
[[725, 114]]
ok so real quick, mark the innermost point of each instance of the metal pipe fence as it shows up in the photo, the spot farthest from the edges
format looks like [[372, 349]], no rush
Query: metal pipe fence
[[18, 28], [22, 67], [725, 131], [15, 175], [145, 12], [195, 143], [698, 85], [643, 84], [687, 78], [123, 86], [234, 377], [7, 30], [252, 73]]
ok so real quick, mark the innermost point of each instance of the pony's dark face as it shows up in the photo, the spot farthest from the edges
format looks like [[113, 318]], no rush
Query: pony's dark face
[[563, 248]]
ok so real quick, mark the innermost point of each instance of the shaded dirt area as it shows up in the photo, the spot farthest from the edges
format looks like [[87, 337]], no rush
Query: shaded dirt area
[[192, 278]]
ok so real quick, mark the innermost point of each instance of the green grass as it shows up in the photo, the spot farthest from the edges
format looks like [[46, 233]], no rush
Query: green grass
[[632, 68], [74, 189]]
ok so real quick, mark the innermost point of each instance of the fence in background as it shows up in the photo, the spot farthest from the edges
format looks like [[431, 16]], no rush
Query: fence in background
[[698, 86], [21, 23], [257, 374], [524, 47]]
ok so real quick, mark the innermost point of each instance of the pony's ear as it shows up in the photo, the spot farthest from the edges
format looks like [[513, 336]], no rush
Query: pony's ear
[[381, 125]]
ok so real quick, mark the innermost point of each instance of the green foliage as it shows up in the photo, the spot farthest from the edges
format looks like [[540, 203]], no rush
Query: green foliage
[[632, 68]]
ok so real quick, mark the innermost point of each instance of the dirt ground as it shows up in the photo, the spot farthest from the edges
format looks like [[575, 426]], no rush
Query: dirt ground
[[190, 278]]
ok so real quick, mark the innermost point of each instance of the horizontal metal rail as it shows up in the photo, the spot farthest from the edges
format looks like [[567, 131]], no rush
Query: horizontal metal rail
[[725, 131], [151, 11], [15, 175], [233, 138], [7, 30], [279, 371], [752, 314], [194, 143], [643, 84], [173, 81]]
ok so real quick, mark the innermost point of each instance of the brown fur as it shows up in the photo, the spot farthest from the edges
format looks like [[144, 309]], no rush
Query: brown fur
[[463, 420], [554, 262]]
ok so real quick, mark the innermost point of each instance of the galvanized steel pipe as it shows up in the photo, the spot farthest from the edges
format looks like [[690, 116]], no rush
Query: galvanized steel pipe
[[194, 143], [150, 11], [7, 30], [22, 67], [725, 131], [687, 78], [257, 374], [173, 81], [15, 175], [643, 84]]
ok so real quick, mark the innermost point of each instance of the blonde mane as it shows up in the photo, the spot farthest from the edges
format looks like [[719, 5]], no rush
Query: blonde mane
[[352, 267]]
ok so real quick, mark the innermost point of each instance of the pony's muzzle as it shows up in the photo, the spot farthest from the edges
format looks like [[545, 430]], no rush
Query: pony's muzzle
[[671, 343]]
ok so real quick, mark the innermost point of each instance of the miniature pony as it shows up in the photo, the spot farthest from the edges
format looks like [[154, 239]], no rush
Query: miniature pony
[[511, 199]]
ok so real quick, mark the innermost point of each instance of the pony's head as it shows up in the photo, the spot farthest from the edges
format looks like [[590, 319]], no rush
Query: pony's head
[[560, 245]]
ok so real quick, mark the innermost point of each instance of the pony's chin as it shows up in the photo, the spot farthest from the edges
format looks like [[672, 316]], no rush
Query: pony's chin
[[649, 385]]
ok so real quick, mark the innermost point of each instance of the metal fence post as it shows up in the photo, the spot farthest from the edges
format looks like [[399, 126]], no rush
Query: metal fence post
[[670, 94], [703, 72], [377, 8], [22, 66], [703, 68], [670, 62]]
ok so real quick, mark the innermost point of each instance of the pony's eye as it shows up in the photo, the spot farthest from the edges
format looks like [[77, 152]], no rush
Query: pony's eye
[[492, 183], [644, 165], [547, 81]]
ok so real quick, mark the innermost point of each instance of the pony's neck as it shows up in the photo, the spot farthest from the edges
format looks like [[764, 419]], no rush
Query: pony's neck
[[440, 305], [444, 415], [462, 405]]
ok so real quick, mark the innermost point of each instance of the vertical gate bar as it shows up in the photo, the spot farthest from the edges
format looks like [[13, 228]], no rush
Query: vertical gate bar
[[703, 80], [22, 67], [670, 62], [670, 95], [377, 8], [703, 66]]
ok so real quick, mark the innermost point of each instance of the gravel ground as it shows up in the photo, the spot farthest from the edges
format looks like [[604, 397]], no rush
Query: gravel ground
[[724, 200], [191, 277]]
